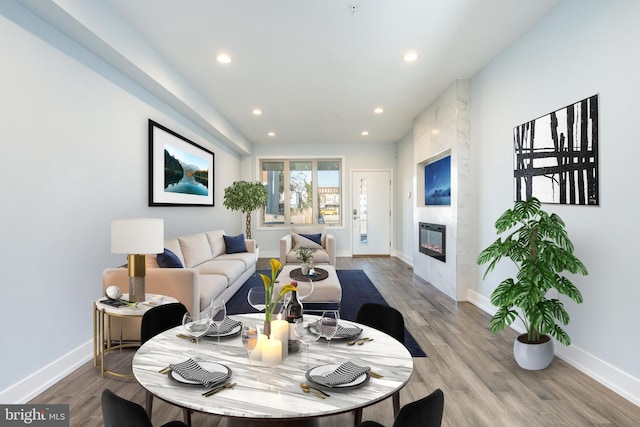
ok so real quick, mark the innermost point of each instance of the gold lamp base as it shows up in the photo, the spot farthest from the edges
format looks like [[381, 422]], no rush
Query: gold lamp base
[[137, 273]]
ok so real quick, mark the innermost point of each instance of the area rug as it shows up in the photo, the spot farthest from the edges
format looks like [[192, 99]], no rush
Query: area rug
[[356, 290]]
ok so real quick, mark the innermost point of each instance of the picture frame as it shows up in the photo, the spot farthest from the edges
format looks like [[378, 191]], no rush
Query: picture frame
[[181, 172], [437, 182], [556, 156]]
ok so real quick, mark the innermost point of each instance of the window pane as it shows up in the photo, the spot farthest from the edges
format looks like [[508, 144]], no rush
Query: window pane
[[273, 180], [301, 190], [329, 192]]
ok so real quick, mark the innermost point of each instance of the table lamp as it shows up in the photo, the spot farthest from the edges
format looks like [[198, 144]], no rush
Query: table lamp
[[137, 237]]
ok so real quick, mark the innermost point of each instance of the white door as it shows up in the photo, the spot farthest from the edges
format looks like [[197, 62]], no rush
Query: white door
[[371, 212]]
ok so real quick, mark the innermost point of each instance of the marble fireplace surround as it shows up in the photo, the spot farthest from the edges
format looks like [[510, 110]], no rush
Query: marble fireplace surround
[[443, 128]]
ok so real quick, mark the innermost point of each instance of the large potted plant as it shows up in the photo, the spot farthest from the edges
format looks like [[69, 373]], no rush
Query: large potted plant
[[539, 246], [246, 197]]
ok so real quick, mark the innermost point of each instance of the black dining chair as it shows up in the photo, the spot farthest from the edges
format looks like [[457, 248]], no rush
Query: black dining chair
[[119, 412], [157, 320], [388, 320], [426, 412]]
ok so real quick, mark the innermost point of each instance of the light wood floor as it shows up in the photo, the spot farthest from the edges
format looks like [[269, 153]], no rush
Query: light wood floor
[[482, 384]]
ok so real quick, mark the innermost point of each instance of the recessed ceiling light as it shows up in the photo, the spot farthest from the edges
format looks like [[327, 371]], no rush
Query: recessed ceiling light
[[271, 134], [410, 57], [223, 58], [378, 110], [364, 133], [256, 112]]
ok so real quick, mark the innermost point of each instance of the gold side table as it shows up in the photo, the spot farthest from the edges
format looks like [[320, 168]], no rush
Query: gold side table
[[103, 317]]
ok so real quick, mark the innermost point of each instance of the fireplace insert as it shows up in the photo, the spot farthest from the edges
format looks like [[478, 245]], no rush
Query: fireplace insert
[[433, 240]]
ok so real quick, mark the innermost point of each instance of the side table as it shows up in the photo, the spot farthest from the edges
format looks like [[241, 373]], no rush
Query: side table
[[103, 316]]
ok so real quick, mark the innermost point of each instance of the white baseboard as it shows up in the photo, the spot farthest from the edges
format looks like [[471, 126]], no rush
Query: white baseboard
[[611, 377], [404, 258], [31, 386]]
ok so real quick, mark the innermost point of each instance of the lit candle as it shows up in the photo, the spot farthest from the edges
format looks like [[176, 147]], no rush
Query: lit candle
[[280, 331], [272, 351], [256, 354]]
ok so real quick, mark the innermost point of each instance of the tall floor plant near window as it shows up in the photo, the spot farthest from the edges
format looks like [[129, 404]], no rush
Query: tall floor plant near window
[[246, 197]]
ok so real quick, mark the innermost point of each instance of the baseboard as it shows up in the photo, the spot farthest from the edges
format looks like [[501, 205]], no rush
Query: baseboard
[[611, 377], [404, 258], [31, 386]]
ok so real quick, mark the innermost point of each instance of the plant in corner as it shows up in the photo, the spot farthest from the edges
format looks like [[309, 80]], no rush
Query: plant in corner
[[246, 197], [539, 246]]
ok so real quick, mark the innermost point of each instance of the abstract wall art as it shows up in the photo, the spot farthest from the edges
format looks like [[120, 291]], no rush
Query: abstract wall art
[[556, 156]]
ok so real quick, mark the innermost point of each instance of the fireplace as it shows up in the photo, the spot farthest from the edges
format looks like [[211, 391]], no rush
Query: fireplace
[[433, 240]]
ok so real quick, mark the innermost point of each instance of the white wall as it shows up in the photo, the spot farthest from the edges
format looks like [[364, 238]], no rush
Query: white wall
[[582, 48], [356, 156], [405, 200], [74, 154]]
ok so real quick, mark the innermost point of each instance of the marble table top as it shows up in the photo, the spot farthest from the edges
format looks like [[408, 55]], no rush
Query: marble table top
[[272, 392]]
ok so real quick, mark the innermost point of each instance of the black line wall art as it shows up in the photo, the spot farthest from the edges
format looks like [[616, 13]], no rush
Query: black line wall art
[[556, 156]]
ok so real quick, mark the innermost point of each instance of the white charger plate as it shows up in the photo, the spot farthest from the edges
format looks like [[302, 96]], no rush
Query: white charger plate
[[326, 369], [207, 366]]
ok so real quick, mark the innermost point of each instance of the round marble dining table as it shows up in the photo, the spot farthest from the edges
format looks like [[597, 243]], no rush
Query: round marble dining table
[[272, 395]]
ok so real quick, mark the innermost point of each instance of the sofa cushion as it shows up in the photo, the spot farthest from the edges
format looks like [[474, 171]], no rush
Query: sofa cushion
[[248, 258], [231, 269], [302, 242], [216, 241], [195, 249], [168, 259], [234, 244], [211, 286], [311, 229], [174, 246], [314, 237], [319, 257]]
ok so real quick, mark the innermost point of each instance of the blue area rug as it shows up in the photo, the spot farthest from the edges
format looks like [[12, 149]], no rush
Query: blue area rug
[[356, 290]]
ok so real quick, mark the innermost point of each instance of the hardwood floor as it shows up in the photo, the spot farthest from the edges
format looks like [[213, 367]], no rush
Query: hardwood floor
[[482, 384]]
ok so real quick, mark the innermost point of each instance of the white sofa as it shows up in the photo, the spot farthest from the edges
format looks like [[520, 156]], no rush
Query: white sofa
[[209, 273], [325, 251]]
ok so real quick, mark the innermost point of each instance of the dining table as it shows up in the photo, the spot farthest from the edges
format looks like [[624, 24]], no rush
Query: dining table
[[265, 394]]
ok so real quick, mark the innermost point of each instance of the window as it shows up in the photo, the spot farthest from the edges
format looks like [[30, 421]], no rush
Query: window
[[311, 189]]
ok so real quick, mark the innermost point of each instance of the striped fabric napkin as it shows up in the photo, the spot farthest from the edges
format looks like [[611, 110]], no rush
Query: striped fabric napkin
[[343, 374], [349, 332], [227, 326], [191, 370]]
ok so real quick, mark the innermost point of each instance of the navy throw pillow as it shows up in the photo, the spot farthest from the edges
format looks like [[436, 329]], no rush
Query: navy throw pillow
[[313, 237], [235, 244], [168, 259]]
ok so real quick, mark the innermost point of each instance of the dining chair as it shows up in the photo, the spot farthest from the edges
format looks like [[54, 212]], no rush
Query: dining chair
[[426, 412], [157, 320], [388, 320], [118, 412]]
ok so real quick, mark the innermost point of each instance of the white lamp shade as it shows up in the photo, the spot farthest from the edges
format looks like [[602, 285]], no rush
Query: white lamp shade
[[137, 236]]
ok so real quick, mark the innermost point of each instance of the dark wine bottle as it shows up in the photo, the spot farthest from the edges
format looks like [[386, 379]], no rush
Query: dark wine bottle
[[293, 312]]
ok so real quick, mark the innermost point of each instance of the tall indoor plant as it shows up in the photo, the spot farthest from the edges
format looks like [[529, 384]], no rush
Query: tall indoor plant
[[246, 197], [539, 246]]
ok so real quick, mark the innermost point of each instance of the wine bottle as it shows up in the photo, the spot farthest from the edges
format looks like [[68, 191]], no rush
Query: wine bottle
[[293, 311]]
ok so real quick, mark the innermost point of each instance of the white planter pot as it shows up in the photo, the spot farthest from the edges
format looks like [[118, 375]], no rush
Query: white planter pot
[[533, 357]]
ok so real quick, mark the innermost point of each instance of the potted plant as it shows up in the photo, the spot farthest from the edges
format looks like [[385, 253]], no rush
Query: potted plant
[[246, 197], [305, 255], [539, 246]]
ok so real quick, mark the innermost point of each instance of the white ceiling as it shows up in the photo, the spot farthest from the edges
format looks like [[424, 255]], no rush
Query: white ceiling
[[316, 68]]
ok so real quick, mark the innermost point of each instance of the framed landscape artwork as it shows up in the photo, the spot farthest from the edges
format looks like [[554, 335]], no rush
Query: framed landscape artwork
[[556, 156], [437, 182], [180, 171]]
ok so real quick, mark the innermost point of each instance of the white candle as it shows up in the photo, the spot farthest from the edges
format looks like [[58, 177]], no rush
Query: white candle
[[272, 351], [256, 354], [280, 331]]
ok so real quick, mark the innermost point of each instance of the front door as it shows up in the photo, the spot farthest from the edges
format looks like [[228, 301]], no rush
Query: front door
[[371, 212]]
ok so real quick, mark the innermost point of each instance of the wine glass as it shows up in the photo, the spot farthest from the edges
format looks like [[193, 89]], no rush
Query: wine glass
[[249, 336], [305, 289], [218, 314], [299, 331], [196, 324], [256, 298], [329, 324]]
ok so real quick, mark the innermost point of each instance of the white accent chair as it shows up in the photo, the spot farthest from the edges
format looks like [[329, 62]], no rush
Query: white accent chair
[[325, 251]]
